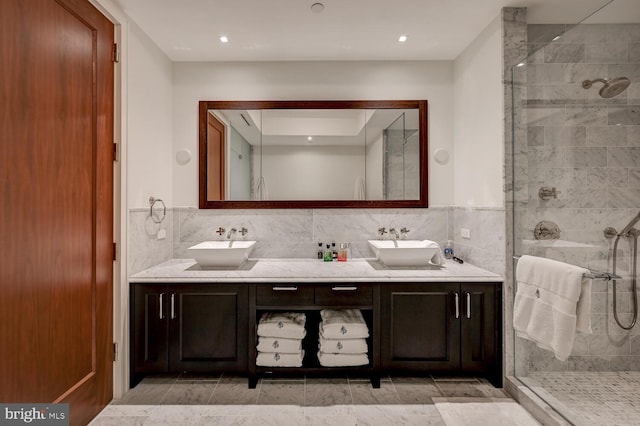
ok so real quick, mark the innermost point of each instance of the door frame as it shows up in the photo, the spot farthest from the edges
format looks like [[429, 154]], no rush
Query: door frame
[[120, 205]]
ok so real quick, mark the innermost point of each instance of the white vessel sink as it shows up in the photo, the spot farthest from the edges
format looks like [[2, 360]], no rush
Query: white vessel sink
[[404, 252], [221, 253]]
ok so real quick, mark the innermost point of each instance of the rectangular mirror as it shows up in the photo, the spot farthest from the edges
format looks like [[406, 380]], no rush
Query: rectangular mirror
[[312, 154]]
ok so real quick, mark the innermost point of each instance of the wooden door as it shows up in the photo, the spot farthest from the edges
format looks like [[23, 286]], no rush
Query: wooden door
[[420, 331], [56, 192], [215, 148], [208, 327]]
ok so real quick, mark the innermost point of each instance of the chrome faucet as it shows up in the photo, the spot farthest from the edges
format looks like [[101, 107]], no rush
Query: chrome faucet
[[220, 231], [394, 233], [404, 232], [231, 232], [381, 232]]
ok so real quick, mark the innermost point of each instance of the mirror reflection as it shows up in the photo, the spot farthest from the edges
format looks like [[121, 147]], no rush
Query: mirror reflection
[[304, 154]]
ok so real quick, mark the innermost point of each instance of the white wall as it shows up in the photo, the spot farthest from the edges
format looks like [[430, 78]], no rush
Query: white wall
[[312, 172], [431, 80], [149, 106], [477, 119]]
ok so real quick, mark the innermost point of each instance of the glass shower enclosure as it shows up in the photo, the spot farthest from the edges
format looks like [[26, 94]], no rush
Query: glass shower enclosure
[[576, 193]]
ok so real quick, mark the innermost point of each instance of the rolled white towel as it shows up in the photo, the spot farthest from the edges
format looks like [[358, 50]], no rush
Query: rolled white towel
[[268, 359], [279, 345], [343, 346], [289, 325], [342, 360], [343, 324]]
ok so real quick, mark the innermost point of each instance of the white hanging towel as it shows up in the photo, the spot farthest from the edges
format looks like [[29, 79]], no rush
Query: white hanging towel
[[267, 359], [553, 301], [343, 346], [342, 360], [358, 191], [343, 324], [289, 325], [280, 345]]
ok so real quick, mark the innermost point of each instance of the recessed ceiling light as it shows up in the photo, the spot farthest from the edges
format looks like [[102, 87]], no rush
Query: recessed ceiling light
[[224, 39], [402, 38], [317, 7], [310, 138]]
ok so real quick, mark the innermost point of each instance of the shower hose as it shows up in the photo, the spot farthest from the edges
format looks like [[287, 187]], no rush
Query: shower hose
[[634, 234]]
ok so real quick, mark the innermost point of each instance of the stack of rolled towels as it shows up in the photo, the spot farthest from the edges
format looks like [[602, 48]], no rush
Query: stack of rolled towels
[[280, 337], [343, 338]]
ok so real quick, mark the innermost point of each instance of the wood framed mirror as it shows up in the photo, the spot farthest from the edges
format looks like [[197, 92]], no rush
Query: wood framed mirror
[[313, 154]]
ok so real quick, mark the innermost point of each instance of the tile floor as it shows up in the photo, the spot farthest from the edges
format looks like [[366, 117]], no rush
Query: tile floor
[[215, 400], [590, 397]]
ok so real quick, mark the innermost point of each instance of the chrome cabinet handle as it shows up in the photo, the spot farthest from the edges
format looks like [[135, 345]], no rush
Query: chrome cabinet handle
[[160, 306], [344, 288], [173, 305], [468, 305], [292, 288], [457, 296]]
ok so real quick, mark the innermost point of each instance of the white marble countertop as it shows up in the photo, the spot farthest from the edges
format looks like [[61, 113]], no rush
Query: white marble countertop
[[310, 270]]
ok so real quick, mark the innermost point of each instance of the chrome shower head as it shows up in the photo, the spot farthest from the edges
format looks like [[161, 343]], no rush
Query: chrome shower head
[[611, 87]]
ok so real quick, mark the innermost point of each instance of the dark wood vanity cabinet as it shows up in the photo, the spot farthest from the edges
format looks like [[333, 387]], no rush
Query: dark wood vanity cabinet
[[415, 328], [442, 328], [200, 328]]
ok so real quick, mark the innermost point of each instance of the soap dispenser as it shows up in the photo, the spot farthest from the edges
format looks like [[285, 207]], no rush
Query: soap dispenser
[[328, 254]]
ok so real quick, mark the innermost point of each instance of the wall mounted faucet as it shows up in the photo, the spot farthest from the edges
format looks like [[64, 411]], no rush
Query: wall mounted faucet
[[381, 232], [220, 231], [394, 233], [231, 232], [404, 232]]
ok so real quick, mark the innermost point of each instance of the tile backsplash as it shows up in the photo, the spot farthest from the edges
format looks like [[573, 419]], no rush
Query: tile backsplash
[[295, 233]]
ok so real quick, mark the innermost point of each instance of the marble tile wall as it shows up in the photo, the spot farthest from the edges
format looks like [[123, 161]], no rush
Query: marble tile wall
[[295, 233], [145, 248], [588, 148]]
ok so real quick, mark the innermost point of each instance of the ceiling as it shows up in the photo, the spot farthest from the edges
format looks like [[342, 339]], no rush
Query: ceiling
[[288, 30]]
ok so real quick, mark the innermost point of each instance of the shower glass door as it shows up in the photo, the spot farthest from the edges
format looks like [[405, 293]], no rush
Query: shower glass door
[[576, 172]]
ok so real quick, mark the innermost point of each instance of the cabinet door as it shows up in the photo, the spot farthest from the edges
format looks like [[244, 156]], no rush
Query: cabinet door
[[208, 327], [149, 340], [479, 327], [420, 331]]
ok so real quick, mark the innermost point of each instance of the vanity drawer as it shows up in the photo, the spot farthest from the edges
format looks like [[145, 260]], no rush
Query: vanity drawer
[[284, 294], [344, 294]]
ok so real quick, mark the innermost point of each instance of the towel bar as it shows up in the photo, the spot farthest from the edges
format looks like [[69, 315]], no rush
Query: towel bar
[[607, 276]]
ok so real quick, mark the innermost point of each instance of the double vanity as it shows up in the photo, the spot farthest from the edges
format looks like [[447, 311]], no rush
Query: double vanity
[[445, 319]]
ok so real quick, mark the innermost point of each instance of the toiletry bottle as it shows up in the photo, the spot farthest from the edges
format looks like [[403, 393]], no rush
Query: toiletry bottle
[[342, 252], [448, 249], [328, 254], [334, 251], [320, 253]]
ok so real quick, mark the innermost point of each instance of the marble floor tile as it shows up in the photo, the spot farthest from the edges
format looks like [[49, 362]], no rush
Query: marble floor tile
[[380, 415], [225, 421], [416, 390], [364, 393], [189, 392], [327, 392], [460, 389], [118, 421], [234, 391], [339, 420], [496, 414], [281, 392], [145, 394], [278, 415]]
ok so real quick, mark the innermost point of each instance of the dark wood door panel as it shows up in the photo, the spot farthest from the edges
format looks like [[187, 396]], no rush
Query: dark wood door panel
[[208, 327]]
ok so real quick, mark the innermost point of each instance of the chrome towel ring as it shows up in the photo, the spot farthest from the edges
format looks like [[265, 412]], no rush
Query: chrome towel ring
[[152, 203]]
